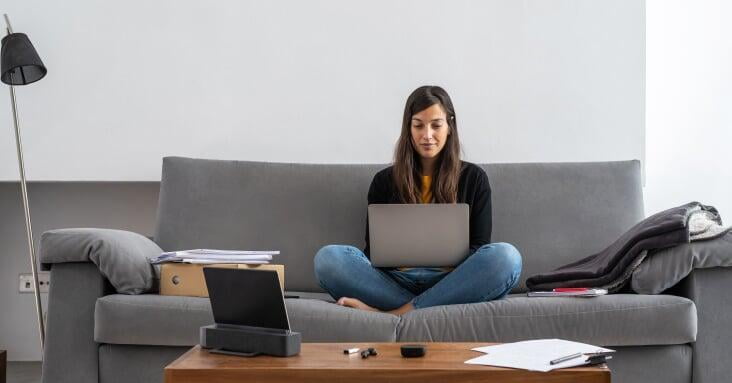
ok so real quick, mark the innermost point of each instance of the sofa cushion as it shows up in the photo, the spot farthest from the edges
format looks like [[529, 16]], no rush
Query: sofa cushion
[[123, 257], [611, 320], [175, 321]]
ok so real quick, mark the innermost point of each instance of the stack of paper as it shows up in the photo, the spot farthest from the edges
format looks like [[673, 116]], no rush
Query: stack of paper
[[210, 256], [535, 355]]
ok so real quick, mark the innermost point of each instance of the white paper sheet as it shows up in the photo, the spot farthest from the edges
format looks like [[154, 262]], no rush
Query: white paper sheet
[[534, 355]]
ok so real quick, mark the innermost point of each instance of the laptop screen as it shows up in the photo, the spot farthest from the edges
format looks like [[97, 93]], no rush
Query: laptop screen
[[245, 297]]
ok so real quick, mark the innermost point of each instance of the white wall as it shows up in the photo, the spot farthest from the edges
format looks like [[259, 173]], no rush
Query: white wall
[[689, 104], [321, 81]]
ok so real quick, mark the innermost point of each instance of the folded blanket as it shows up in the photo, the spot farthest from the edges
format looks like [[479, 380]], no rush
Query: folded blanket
[[613, 266]]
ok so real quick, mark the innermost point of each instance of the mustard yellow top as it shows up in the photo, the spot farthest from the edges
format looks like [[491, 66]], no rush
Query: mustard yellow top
[[426, 189]]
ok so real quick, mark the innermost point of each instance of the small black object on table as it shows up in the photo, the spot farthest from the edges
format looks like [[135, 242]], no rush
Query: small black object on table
[[413, 350]]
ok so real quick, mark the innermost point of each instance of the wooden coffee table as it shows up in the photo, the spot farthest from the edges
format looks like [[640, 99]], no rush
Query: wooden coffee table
[[319, 362]]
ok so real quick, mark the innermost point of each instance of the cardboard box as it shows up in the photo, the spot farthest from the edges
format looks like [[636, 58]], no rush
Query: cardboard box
[[187, 279]]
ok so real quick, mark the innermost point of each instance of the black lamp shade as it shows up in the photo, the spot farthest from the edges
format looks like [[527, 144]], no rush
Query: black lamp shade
[[19, 61]]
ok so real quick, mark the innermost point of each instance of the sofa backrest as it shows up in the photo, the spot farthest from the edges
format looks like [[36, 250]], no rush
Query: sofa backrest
[[554, 213]]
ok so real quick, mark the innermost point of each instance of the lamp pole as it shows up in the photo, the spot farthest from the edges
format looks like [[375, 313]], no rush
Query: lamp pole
[[26, 209]]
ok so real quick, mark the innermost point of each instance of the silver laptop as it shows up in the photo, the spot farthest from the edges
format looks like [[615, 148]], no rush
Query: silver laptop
[[418, 235]]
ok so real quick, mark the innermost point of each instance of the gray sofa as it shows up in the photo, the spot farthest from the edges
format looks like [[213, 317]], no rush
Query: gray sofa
[[553, 213]]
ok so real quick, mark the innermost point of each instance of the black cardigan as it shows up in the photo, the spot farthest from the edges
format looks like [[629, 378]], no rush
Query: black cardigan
[[473, 189]]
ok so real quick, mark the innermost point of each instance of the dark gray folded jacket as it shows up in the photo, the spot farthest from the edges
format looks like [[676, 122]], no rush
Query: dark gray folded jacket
[[661, 230]]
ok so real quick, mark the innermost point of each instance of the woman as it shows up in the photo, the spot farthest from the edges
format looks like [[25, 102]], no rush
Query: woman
[[427, 169]]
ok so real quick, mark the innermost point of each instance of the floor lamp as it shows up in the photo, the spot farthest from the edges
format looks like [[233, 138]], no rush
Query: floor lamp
[[20, 65]]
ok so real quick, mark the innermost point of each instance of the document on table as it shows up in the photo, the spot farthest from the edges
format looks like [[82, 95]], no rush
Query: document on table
[[534, 355]]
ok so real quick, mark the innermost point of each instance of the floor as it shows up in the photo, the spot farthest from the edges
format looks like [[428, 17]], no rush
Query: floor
[[24, 372]]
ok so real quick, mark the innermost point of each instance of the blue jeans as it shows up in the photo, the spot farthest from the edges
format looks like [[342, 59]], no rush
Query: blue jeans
[[488, 274]]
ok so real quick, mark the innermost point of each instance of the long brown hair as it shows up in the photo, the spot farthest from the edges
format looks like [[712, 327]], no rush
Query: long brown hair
[[407, 165]]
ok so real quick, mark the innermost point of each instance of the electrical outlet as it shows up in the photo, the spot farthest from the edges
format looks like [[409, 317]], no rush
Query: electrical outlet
[[25, 282]]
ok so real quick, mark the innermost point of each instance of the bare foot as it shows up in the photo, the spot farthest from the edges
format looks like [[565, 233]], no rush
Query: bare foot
[[357, 304]]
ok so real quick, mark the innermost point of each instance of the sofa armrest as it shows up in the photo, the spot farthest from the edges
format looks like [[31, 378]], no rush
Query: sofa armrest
[[70, 353], [123, 257], [85, 265], [710, 290]]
